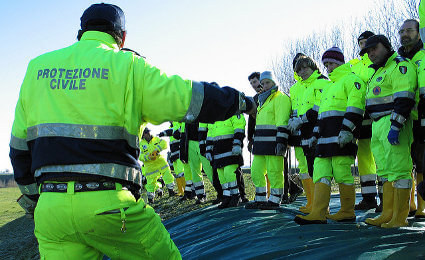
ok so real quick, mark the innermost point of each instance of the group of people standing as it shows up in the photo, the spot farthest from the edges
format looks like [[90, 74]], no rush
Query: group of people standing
[[369, 107]]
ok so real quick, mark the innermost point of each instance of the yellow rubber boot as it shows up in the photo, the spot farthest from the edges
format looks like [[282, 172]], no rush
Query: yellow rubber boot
[[347, 196], [268, 186], [308, 187], [420, 213], [322, 195], [181, 184], [401, 209], [413, 208], [387, 206]]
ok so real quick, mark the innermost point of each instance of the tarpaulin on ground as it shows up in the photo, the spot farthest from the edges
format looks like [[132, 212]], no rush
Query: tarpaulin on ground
[[239, 233]]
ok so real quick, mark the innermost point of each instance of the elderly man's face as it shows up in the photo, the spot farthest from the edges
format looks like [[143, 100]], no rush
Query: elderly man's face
[[377, 53], [409, 34]]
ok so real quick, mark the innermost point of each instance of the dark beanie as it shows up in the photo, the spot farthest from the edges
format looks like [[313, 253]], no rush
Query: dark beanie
[[333, 54], [365, 35], [296, 58]]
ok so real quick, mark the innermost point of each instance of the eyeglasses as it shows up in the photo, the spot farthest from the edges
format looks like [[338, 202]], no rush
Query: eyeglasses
[[408, 30]]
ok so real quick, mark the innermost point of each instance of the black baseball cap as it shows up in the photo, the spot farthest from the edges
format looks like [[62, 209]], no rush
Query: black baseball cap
[[112, 14], [374, 40], [365, 35]]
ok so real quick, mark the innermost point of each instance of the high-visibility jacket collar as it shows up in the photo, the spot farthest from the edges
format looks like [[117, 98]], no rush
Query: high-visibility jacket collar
[[264, 96], [100, 36], [310, 79], [340, 72]]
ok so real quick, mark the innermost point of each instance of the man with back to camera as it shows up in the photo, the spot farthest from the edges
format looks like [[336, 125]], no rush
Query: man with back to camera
[[75, 134]]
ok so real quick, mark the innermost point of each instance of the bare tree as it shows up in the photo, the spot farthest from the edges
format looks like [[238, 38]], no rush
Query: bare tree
[[385, 17]]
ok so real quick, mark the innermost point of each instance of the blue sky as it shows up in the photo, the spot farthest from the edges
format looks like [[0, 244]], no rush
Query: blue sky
[[209, 40]]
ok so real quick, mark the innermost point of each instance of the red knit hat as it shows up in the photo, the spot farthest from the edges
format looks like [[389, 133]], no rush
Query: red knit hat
[[333, 54]]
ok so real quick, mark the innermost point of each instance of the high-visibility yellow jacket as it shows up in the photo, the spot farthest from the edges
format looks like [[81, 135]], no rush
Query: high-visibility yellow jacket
[[361, 68], [224, 135], [80, 109], [308, 110], [156, 145], [272, 123], [296, 93], [391, 91], [341, 109]]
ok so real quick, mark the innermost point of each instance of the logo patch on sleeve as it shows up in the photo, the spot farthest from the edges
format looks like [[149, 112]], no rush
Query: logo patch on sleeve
[[379, 79], [357, 85], [376, 91], [403, 69]]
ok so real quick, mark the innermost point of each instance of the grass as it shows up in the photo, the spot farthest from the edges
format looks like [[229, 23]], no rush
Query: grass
[[10, 209]]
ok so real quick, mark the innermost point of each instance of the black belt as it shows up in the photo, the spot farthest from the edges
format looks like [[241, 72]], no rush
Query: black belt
[[78, 186]]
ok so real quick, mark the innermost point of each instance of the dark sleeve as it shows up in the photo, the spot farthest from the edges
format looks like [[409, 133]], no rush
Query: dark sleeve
[[221, 103], [251, 128], [21, 163], [168, 132]]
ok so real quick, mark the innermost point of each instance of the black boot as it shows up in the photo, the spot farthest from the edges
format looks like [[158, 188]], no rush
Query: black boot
[[217, 200], [255, 204], [171, 193], [379, 207], [201, 199], [235, 199], [368, 202], [224, 202], [187, 196]]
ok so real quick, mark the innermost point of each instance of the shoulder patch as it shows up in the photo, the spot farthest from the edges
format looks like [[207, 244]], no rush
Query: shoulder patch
[[399, 59], [357, 85], [403, 69]]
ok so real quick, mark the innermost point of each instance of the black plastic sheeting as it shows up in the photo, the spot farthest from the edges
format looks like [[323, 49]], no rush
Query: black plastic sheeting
[[238, 233]]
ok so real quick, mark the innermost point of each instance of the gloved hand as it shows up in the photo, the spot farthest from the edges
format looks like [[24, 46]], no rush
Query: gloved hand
[[393, 136], [208, 156], [161, 134], [28, 205], [236, 150], [295, 124], [280, 149], [344, 138], [312, 141]]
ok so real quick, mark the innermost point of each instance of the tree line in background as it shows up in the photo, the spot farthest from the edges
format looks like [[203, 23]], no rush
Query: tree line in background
[[385, 17]]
